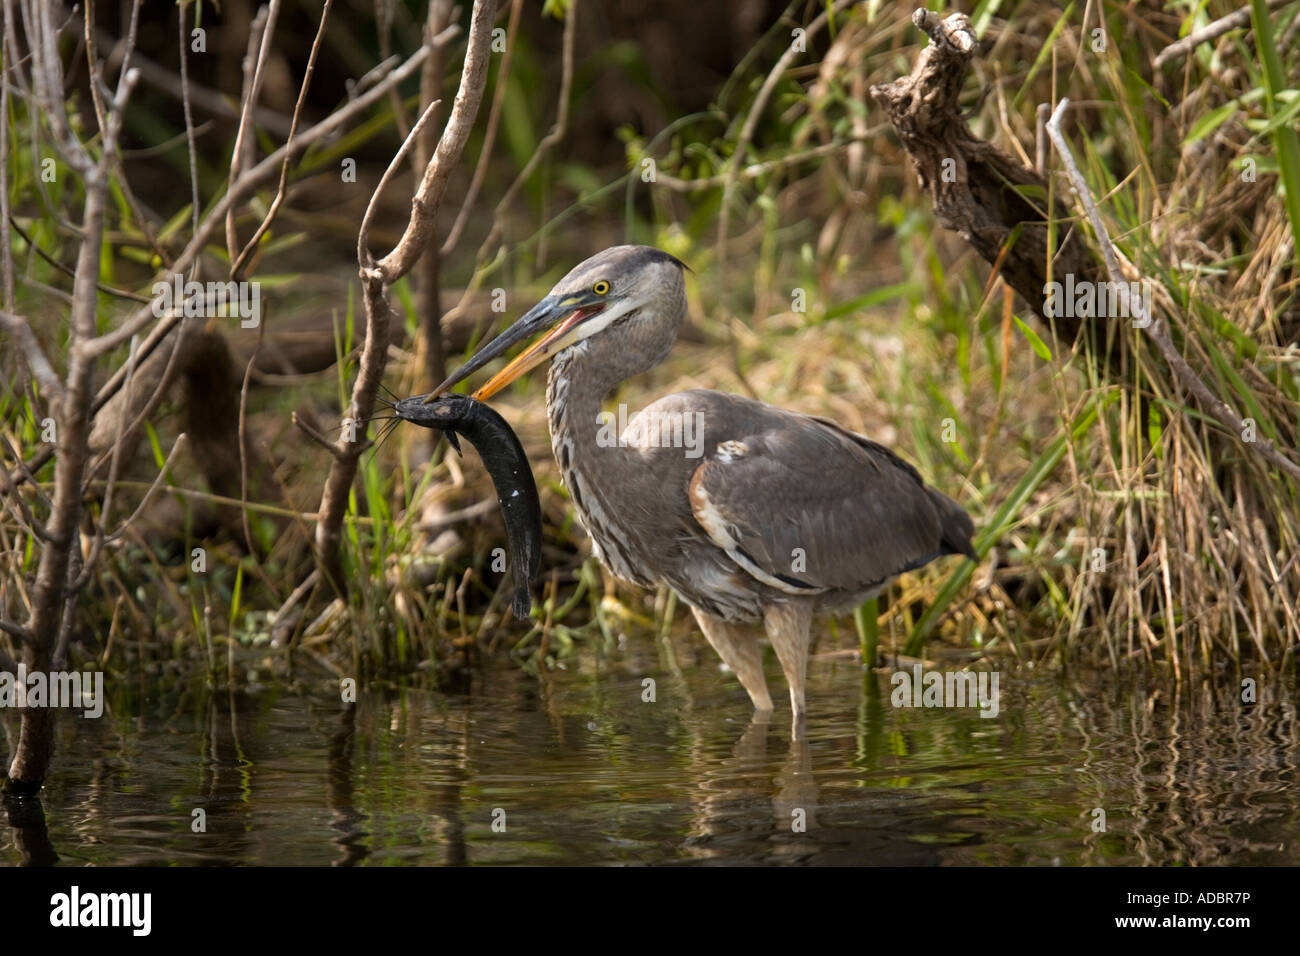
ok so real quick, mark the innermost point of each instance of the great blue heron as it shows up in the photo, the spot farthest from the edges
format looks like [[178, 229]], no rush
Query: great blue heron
[[750, 513]]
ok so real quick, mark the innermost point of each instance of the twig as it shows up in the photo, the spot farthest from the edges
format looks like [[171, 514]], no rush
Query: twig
[[17, 505], [1154, 327], [236, 271], [755, 113], [489, 135], [384, 27], [106, 289], [297, 595], [364, 255], [552, 137], [312, 433], [377, 278], [25, 473], [184, 56], [37, 361], [1218, 28], [149, 495], [15, 630], [259, 35], [97, 99]]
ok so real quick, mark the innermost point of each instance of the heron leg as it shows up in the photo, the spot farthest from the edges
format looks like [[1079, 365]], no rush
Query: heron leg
[[739, 649], [789, 628]]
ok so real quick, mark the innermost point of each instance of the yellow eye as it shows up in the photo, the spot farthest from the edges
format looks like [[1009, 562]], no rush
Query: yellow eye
[[601, 287]]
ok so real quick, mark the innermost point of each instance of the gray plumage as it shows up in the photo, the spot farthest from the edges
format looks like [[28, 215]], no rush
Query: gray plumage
[[769, 516]]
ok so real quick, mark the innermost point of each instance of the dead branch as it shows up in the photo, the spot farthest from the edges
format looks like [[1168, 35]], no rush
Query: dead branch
[[979, 192], [378, 277], [427, 275], [489, 135], [1213, 31], [428, 196], [50, 597], [237, 270], [553, 135], [259, 39], [21, 332]]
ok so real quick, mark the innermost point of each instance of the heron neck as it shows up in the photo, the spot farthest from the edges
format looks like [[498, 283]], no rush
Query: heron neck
[[578, 382], [580, 378]]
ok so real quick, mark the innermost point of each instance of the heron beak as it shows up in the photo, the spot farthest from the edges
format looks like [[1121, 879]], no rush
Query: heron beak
[[560, 314]]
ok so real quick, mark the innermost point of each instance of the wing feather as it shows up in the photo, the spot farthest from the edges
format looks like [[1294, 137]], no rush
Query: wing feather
[[807, 506]]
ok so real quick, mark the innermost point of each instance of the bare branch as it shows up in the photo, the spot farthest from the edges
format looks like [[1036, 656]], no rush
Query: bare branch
[[97, 98], [552, 137], [313, 434], [192, 155], [250, 179], [55, 263], [364, 256], [259, 35], [236, 270], [50, 598], [37, 361], [16, 631], [1213, 31], [489, 135], [149, 495], [376, 278], [428, 196]]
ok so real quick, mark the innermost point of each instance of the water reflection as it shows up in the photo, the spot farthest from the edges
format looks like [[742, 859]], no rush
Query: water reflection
[[581, 768]]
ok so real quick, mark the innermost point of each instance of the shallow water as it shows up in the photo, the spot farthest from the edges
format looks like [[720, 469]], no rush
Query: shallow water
[[579, 769]]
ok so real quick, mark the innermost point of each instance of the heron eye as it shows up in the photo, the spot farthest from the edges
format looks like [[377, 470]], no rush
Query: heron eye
[[601, 287]]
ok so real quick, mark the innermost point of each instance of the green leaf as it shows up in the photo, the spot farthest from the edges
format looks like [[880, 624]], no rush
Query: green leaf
[[1037, 344], [1211, 121]]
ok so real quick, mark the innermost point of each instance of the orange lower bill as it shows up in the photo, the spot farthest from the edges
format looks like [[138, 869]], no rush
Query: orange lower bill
[[532, 356]]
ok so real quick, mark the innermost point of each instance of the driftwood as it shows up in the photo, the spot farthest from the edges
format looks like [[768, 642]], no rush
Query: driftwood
[[976, 192], [993, 201]]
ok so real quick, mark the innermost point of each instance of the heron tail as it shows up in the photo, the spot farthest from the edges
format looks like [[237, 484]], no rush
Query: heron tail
[[955, 525]]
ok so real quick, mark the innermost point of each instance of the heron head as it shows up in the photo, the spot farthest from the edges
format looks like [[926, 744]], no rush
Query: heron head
[[600, 293]]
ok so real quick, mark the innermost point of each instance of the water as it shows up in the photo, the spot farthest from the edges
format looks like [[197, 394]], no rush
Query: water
[[580, 769]]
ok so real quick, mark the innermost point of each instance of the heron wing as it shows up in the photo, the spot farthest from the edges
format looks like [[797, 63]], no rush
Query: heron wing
[[807, 506]]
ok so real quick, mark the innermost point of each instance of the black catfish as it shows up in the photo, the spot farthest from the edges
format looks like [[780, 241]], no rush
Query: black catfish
[[504, 458]]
